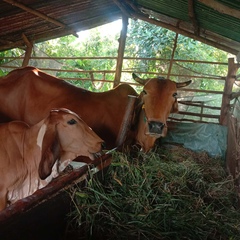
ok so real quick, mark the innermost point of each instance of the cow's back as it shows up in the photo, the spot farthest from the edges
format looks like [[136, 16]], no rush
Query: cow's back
[[30, 96]]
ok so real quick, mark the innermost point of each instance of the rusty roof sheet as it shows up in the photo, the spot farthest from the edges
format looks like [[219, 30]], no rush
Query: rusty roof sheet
[[41, 20]]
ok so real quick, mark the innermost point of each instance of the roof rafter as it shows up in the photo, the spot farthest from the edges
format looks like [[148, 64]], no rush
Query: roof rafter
[[39, 14], [186, 33], [192, 16]]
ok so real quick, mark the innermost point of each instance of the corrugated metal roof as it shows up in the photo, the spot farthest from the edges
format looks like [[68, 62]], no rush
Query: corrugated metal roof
[[215, 22]]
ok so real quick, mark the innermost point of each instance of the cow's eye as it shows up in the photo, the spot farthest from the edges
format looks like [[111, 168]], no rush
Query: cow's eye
[[72, 121], [144, 92], [175, 94]]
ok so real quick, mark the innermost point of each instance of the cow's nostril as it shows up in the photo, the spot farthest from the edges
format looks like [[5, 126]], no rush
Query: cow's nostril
[[103, 145], [155, 127]]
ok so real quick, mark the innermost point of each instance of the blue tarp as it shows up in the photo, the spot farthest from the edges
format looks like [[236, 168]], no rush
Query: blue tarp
[[199, 137]]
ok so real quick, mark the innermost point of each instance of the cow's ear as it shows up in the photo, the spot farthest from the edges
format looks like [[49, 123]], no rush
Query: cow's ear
[[50, 152]]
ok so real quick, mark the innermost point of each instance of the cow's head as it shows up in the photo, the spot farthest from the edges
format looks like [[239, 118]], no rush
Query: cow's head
[[65, 137], [157, 100]]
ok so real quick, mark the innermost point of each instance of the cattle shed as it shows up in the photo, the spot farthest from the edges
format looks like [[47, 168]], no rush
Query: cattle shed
[[24, 23]]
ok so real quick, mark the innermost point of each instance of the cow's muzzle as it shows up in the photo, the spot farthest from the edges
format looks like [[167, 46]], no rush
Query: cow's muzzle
[[155, 128]]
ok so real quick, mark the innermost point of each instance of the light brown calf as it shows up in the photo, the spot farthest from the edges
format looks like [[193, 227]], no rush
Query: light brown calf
[[31, 156]]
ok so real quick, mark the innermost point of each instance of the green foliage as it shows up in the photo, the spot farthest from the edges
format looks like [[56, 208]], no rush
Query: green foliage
[[11, 53], [147, 40], [144, 41], [93, 45], [160, 195]]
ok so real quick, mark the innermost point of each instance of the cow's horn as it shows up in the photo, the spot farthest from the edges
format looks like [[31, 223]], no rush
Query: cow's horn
[[183, 84], [138, 79]]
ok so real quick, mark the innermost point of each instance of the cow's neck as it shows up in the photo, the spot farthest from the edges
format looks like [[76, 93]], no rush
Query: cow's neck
[[33, 143]]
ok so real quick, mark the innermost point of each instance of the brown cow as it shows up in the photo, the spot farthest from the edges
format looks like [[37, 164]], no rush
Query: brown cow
[[157, 100], [28, 94], [31, 156]]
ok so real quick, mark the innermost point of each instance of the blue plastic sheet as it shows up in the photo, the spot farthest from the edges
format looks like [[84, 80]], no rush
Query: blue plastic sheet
[[199, 137]]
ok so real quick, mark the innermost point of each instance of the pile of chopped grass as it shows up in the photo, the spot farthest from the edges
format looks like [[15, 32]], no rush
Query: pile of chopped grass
[[166, 194]]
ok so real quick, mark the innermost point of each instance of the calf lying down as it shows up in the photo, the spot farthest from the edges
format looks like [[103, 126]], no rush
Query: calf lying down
[[31, 156]]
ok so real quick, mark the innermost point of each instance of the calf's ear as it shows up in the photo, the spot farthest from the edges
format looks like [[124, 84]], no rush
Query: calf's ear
[[50, 151]]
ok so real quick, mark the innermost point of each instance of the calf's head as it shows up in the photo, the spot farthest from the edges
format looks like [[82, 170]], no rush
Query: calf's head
[[66, 136], [157, 100]]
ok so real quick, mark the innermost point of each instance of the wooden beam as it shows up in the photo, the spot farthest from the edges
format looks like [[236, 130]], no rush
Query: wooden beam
[[39, 14], [185, 33], [123, 8], [121, 48], [231, 77], [199, 115], [221, 8], [192, 17], [198, 104]]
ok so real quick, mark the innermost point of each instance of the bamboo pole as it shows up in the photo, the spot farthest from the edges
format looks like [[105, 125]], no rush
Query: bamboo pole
[[230, 79], [126, 58], [121, 48]]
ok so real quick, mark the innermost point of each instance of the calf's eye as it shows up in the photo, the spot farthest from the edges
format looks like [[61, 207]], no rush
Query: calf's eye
[[175, 94], [72, 121]]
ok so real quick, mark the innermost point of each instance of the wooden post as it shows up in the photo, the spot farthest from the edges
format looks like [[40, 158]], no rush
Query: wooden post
[[172, 57], [28, 52], [126, 120], [230, 79], [121, 48]]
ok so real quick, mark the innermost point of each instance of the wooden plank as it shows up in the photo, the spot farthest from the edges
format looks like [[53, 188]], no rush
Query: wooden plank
[[198, 104], [199, 115], [61, 183], [221, 8], [231, 77], [187, 120], [199, 90]]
